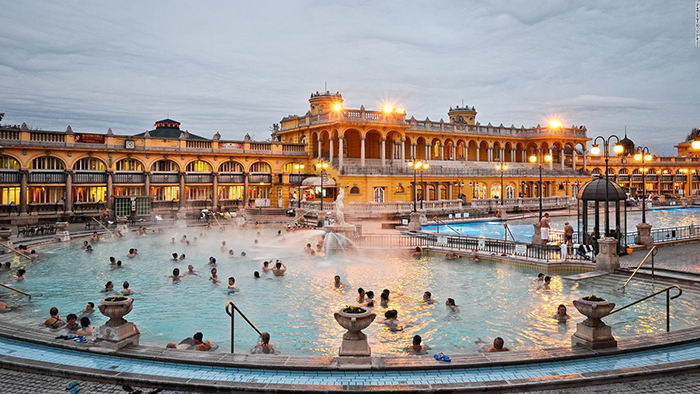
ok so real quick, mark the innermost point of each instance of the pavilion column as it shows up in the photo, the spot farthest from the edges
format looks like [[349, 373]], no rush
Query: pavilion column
[[442, 152], [438, 191], [320, 146], [561, 158], [513, 158], [413, 150], [383, 152], [454, 152], [477, 153], [585, 153], [503, 155], [551, 162], [427, 152], [245, 189], [573, 159], [489, 155], [523, 154], [183, 195], [340, 152], [449, 190], [330, 152], [403, 150], [426, 191], [23, 192], [362, 151], [69, 191], [215, 190], [147, 183], [110, 190]]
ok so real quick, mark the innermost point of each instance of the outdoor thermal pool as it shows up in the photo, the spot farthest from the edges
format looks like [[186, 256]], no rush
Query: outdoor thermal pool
[[297, 309]]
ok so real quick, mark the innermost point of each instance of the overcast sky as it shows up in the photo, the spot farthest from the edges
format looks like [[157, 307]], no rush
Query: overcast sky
[[237, 67]]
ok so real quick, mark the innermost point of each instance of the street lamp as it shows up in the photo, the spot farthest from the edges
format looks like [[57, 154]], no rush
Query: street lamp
[[595, 149], [502, 167], [322, 165], [418, 165], [643, 156], [547, 159], [299, 167]]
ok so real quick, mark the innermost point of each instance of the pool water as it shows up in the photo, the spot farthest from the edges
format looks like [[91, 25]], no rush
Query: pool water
[[297, 309], [522, 229]]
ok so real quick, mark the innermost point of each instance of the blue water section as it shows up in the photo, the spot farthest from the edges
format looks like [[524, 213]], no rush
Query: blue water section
[[29, 351], [522, 229]]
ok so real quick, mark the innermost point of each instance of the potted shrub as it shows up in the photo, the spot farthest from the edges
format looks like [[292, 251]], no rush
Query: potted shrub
[[354, 319]]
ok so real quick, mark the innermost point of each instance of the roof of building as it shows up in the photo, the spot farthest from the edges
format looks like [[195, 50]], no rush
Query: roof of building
[[595, 191], [169, 129]]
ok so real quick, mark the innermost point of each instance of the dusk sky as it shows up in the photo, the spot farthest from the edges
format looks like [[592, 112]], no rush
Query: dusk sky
[[237, 67]]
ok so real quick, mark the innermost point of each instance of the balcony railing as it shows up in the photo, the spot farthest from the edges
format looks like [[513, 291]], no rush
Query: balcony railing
[[47, 137], [297, 179], [90, 177], [128, 177], [198, 178], [165, 178], [10, 177], [46, 177], [260, 178], [231, 178], [88, 207]]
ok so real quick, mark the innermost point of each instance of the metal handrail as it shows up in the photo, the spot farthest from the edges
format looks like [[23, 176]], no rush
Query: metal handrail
[[16, 290], [652, 252], [668, 302], [438, 220], [234, 309]]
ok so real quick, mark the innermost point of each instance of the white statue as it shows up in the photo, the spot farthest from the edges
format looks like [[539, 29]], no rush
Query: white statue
[[339, 215]]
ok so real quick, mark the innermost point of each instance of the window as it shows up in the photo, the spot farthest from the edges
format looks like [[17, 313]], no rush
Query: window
[[231, 166], [199, 166], [510, 191], [230, 192], [90, 194], [261, 167], [624, 172], [495, 191], [355, 190], [294, 168], [128, 191], [47, 163], [479, 191], [378, 194], [8, 163], [165, 166], [198, 193], [89, 164], [10, 195], [259, 191], [46, 195], [128, 165], [165, 193]]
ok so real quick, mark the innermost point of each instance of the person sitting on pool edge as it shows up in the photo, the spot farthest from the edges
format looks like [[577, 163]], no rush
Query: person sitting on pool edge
[[496, 347], [417, 348], [264, 346], [55, 320]]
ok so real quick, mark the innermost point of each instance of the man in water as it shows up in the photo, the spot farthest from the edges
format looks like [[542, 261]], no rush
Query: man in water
[[496, 347], [223, 246], [337, 283], [569, 237], [190, 270], [112, 261], [176, 275], [199, 344], [417, 348], [174, 257], [72, 324], [428, 298], [231, 283], [544, 228], [89, 309]]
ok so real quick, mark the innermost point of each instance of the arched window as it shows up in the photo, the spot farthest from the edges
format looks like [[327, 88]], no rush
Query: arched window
[[261, 168], [198, 166], [636, 171], [8, 163], [479, 191], [89, 164], [495, 191], [131, 165], [651, 171], [231, 166], [165, 166], [510, 191], [596, 171], [47, 163], [623, 171], [355, 190], [294, 168]]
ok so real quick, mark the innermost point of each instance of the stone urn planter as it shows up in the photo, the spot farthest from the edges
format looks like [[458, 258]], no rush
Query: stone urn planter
[[593, 332], [61, 226], [5, 233], [115, 308], [354, 319]]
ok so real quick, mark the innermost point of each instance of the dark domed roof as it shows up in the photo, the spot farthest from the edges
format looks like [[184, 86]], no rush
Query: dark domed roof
[[595, 191], [628, 144]]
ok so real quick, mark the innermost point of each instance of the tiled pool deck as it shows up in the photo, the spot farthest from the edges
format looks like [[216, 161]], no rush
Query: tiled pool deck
[[642, 356]]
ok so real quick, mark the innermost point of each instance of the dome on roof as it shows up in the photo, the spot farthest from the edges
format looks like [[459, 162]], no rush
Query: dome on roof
[[628, 144], [595, 191]]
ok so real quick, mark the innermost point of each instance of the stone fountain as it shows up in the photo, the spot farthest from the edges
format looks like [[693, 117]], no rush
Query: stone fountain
[[340, 228], [181, 222]]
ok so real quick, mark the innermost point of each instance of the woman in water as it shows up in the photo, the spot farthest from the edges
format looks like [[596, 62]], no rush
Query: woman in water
[[174, 257], [126, 290], [230, 254], [451, 304], [279, 269], [212, 260], [369, 299], [109, 287], [417, 253], [132, 253], [561, 315], [85, 244], [264, 347], [214, 277]]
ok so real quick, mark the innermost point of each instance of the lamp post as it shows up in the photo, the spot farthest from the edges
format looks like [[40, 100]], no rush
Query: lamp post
[[322, 165], [643, 156], [459, 185], [595, 149], [418, 165], [546, 159], [298, 167], [502, 167]]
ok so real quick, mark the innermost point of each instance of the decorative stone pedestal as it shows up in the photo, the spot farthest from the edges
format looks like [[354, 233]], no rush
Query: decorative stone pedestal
[[537, 236], [180, 222], [116, 333], [644, 235], [122, 224], [62, 233], [607, 259], [414, 222], [593, 333], [354, 341], [5, 234]]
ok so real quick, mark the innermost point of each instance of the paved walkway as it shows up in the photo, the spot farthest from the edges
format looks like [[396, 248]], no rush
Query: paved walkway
[[683, 257]]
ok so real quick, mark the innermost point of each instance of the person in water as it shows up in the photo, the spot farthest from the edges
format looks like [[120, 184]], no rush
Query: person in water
[[231, 254], [496, 347], [384, 300], [72, 322], [451, 256], [369, 299], [20, 274], [33, 254], [212, 261], [452, 305], [417, 347], [190, 270], [264, 346], [391, 320], [428, 298], [55, 320], [174, 257], [547, 282], [176, 274], [126, 290], [89, 309], [279, 269], [132, 253], [337, 283], [214, 277], [88, 248], [223, 246], [85, 244], [266, 266], [182, 257], [361, 295], [112, 261], [561, 314], [109, 287], [231, 283], [417, 252], [85, 327]]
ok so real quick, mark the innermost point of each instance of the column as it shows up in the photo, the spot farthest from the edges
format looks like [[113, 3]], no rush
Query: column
[[539, 155], [147, 183], [245, 189], [362, 151], [330, 152], [584, 159], [426, 191], [340, 154], [551, 162], [215, 190], [454, 152], [503, 155], [403, 150], [477, 153], [561, 158], [489, 154], [449, 190], [382, 154], [69, 190], [512, 155], [438, 191], [183, 196], [110, 190], [573, 160], [523, 154], [442, 152], [427, 151], [23, 192], [413, 150], [320, 145]]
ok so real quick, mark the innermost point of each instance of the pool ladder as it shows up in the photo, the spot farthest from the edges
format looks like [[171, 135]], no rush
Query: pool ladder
[[652, 252], [437, 220], [668, 302], [231, 310]]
